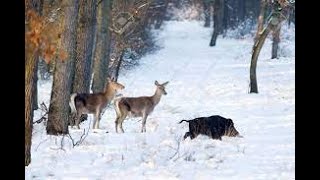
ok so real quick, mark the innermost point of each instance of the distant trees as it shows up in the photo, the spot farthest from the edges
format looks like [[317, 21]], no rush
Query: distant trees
[[156, 12], [229, 14], [207, 12], [132, 35], [218, 10]]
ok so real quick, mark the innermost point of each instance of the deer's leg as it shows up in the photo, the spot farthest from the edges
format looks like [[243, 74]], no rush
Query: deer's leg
[[144, 120], [96, 119], [116, 123], [120, 123], [99, 118], [123, 116], [117, 120], [77, 121]]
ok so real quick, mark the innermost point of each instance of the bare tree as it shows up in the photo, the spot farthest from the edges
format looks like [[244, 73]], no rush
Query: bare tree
[[261, 19], [275, 20], [102, 48], [64, 73]]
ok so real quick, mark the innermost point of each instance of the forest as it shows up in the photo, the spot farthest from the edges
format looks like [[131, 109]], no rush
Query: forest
[[85, 60]]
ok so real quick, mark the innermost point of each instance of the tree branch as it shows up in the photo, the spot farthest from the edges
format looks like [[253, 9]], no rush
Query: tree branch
[[177, 148], [99, 2], [82, 137], [44, 117]]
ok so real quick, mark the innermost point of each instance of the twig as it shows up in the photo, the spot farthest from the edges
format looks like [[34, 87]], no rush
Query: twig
[[99, 2], [183, 155], [177, 149], [45, 109], [40, 144], [82, 137], [41, 119]]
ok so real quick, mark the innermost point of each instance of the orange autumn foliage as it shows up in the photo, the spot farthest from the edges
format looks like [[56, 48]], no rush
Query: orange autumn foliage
[[44, 37]]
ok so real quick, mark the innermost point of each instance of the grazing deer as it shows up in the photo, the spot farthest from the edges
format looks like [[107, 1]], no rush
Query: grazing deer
[[85, 103], [138, 106]]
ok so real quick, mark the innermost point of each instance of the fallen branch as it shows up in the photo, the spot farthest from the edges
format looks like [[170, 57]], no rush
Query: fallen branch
[[82, 137]]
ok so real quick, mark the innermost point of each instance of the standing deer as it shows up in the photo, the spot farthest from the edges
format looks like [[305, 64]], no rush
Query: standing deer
[[138, 106], [85, 103]]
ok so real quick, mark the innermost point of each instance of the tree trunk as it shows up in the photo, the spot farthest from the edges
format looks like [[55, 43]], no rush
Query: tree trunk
[[207, 14], [30, 66], [260, 19], [225, 19], [31, 53], [217, 20], [102, 49], [161, 14], [272, 25], [117, 70], [291, 15], [242, 10], [63, 75], [35, 87], [232, 13], [85, 37], [275, 42]]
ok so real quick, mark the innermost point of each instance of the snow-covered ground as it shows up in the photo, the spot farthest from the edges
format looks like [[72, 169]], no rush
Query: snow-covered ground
[[203, 81]]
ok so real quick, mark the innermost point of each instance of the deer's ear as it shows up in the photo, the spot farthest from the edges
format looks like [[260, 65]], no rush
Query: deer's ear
[[164, 84], [108, 79], [156, 83], [113, 79]]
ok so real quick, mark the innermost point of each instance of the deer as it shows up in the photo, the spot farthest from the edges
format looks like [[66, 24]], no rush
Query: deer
[[141, 106], [94, 103]]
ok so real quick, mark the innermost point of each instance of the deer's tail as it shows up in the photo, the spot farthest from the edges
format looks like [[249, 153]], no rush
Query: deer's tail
[[182, 121], [72, 103]]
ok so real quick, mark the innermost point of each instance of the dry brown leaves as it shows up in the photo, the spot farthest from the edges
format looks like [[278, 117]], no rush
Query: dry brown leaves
[[44, 37]]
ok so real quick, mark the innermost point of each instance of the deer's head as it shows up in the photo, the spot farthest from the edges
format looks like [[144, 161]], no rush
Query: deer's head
[[161, 87], [115, 86]]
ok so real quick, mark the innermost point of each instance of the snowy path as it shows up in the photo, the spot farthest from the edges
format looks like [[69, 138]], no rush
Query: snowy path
[[203, 81]]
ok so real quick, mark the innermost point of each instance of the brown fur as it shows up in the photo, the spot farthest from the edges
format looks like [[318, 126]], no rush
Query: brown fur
[[85, 103], [138, 106]]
